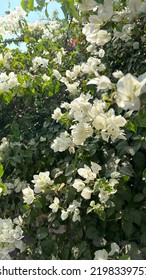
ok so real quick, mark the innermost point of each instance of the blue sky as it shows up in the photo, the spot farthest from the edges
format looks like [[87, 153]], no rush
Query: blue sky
[[33, 16]]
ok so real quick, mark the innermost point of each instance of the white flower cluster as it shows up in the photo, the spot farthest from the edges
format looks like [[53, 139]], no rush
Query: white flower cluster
[[5, 59], [105, 12], [89, 174], [92, 66], [87, 5], [88, 120], [73, 210], [92, 29], [41, 182], [39, 62], [11, 235], [51, 31], [8, 82], [35, 26], [10, 22]]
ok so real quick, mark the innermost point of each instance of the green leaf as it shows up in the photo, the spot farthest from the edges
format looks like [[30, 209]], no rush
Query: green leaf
[[42, 233], [125, 257], [7, 97], [70, 170], [139, 161], [69, 9], [100, 1], [127, 227], [48, 246], [41, 3], [1, 170], [46, 11], [143, 239], [30, 5], [92, 232], [24, 4], [126, 169], [138, 197]]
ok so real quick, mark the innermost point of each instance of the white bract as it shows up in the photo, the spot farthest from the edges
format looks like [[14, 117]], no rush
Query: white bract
[[41, 181], [78, 185], [128, 92], [72, 209], [86, 193], [62, 143], [80, 132], [87, 173], [55, 205], [102, 82], [87, 5], [57, 114], [114, 249], [64, 215], [57, 74], [105, 11], [101, 255], [39, 62], [45, 78], [28, 195]]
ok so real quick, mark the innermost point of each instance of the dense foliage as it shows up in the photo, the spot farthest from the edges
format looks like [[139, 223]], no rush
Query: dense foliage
[[73, 132]]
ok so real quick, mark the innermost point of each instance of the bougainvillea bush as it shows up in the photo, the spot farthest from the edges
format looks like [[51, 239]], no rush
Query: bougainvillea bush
[[73, 133]]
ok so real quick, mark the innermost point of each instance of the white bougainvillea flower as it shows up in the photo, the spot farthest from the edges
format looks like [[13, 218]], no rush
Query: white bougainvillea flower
[[79, 108], [103, 195], [102, 82], [95, 167], [80, 132], [28, 195], [46, 78], [114, 249], [128, 92], [87, 5], [39, 61], [86, 173], [57, 74], [62, 143], [55, 205], [101, 53], [41, 181], [101, 255], [64, 215], [78, 185], [75, 204], [72, 88], [57, 114], [90, 30], [118, 74], [136, 6], [102, 37], [105, 11], [76, 215], [86, 193]]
